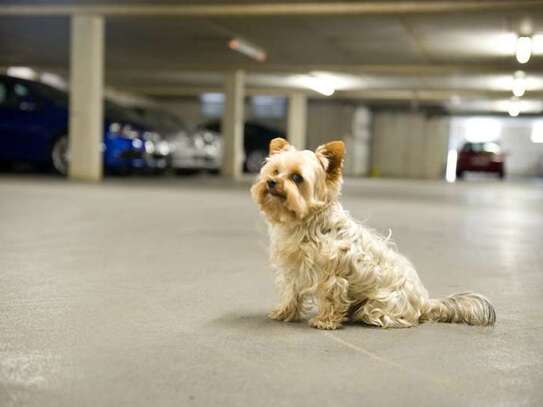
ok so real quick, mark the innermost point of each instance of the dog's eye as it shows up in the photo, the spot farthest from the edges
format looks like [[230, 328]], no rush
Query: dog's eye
[[275, 172], [297, 178]]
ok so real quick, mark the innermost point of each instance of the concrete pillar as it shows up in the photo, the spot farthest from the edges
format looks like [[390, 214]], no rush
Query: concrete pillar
[[297, 120], [233, 123], [357, 143], [86, 127]]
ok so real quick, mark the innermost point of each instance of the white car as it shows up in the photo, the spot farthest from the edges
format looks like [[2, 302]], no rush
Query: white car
[[186, 150], [195, 151]]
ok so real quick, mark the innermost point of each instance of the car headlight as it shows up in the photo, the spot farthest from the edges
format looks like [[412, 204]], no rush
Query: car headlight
[[149, 147], [163, 148], [137, 143]]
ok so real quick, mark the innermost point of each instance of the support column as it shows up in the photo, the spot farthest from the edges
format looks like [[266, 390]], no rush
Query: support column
[[233, 124], [86, 127], [297, 120]]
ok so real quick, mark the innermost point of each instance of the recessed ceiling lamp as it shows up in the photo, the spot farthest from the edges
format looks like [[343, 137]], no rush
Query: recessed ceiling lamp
[[524, 49], [519, 84], [514, 107], [246, 48]]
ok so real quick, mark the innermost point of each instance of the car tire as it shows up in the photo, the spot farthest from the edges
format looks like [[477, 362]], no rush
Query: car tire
[[186, 171], [5, 166], [460, 174], [254, 161], [501, 174], [59, 155]]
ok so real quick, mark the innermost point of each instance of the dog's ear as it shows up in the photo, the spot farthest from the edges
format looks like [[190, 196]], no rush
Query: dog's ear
[[278, 144], [331, 157]]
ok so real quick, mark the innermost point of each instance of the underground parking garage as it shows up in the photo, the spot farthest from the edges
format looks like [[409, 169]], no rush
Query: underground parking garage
[[135, 262]]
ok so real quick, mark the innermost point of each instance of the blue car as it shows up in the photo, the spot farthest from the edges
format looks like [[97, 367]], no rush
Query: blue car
[[34, 129]]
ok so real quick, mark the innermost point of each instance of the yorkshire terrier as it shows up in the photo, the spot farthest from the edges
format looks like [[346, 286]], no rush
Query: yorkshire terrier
[[323, 257]]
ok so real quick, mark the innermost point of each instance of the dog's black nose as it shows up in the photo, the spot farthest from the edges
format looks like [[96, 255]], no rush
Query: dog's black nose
[[271, 184]]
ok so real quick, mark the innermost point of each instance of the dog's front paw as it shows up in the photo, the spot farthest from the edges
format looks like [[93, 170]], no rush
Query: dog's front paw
[[287, 314], [328, 324]]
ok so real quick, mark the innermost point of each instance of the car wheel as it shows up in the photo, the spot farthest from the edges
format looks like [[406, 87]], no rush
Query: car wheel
[[255, 160], [5, 166], [459, 174], [186, 171], [59, 155], [501, 174]]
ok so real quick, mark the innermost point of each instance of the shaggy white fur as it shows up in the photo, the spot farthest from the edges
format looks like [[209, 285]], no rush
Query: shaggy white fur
[[324, 257]]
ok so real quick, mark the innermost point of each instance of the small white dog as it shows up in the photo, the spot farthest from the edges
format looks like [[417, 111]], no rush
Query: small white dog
[[323, 256]]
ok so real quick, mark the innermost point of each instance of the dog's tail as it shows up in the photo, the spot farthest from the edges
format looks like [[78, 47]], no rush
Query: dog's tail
[[468, 308]]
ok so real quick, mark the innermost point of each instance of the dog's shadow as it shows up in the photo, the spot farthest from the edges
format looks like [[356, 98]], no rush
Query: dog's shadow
[[256, 323], [259, 323]]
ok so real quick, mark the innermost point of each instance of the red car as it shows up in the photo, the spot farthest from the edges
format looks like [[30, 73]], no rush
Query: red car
[[480, 157]]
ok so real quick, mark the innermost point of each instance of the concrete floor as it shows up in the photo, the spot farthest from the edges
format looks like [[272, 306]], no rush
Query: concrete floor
[[154, 292]]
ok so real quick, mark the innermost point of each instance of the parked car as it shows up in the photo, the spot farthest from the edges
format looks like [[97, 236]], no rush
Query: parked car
[[191, 149], [196, 150], [255, 142], [159, 149], [481, 157], [34, 128]]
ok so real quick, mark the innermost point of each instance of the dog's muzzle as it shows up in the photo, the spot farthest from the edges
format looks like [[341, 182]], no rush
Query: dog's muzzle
[[273, 190]]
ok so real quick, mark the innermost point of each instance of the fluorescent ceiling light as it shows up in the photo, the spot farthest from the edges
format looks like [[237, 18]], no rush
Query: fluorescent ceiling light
[[22, 72], [519, 84], [322, 83], [524, 49], [246, 48]]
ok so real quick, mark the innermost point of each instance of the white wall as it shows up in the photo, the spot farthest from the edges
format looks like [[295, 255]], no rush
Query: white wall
[[409, 145]]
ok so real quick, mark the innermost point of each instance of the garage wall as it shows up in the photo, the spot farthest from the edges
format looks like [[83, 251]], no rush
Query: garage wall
[[329, 120], [523, 157], [409, 145]]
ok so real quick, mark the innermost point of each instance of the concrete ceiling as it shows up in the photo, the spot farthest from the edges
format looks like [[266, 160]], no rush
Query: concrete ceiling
[[433, 55]]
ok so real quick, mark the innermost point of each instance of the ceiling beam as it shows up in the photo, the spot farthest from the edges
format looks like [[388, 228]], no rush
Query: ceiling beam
[[271, 9], [196, 90], [534, 67], [368, 94]]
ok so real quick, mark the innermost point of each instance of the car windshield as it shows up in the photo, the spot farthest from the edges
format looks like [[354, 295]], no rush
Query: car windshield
[[50, 93], [118, 113], [488, 147], [163, 120]]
